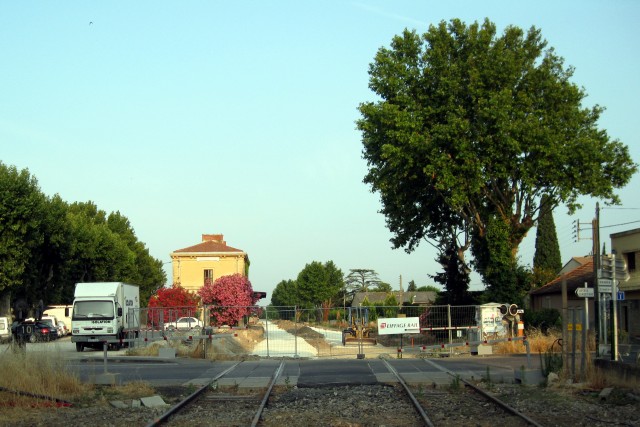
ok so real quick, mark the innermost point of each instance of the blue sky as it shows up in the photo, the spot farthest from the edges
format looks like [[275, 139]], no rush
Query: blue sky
[[238, 117]]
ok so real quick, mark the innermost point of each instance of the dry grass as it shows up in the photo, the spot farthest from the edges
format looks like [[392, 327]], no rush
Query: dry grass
[[548, 346], [541, 343], [39, 373], [44, 374]]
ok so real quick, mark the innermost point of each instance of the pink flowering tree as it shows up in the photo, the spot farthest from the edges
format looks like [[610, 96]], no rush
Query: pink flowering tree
[[230, 297]]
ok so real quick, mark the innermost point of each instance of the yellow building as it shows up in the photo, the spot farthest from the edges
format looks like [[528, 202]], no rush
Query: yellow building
[[212, 258]]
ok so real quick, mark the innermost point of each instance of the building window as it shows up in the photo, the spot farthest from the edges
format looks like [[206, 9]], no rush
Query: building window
[[208, 276], [631, 261]]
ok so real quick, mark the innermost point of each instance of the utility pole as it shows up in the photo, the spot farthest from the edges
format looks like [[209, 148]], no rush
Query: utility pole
[[596, 268]]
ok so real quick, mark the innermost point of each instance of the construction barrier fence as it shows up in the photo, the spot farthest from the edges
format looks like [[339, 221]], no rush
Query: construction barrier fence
[[326, 332]]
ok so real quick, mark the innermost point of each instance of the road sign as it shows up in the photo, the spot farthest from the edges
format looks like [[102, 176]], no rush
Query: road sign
[[605, 286], [611, 265], [620, 296], [585, 292], [605, 282]]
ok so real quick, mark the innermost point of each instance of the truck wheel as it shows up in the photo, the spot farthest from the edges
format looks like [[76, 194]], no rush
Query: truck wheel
[[33, 338], [79, 347]]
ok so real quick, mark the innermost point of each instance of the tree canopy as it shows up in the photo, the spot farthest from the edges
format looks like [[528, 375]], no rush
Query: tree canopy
[[285, 294], [319, 284], [48, 245], [471, 128], [361, 279]]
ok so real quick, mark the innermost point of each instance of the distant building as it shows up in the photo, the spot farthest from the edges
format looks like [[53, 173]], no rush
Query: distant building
[[579, 271], [575, 262], [627, 245], [550, 295], [406, 297], [207, 261]]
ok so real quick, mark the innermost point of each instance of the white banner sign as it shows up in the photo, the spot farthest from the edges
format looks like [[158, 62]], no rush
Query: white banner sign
[[399, 325]]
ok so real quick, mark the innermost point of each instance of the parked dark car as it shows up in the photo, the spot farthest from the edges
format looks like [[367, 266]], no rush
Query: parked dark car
[[33, 331]]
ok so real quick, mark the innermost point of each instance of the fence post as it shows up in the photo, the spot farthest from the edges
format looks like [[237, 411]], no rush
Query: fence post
[[449, 323], [573, 342], [295, 331], [266, 327], [585, 332]]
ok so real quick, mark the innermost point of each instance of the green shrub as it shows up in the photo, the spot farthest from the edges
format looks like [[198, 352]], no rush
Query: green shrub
[[543, 320]]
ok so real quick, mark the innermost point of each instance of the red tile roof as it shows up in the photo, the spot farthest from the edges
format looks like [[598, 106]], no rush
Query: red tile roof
[[210, 246], [575, 278]]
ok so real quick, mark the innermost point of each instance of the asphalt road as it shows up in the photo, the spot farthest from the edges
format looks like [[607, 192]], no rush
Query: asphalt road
[[91, 366]]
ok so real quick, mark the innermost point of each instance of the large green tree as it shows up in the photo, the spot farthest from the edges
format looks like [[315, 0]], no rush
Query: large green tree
[[471, 128], [285, 294], [47, 246], [319, 285], [361, 280], [22, 211]]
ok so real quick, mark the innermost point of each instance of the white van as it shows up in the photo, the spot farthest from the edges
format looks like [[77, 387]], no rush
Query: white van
[[5, 329]]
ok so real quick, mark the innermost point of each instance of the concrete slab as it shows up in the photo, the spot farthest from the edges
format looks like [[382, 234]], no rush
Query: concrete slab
[[106, 378], [531, 377], [118, 404], [153, 401], [167, 353], [482, 350]]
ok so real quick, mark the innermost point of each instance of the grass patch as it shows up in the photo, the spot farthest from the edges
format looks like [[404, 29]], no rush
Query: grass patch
[[45, 374], [42, 373]]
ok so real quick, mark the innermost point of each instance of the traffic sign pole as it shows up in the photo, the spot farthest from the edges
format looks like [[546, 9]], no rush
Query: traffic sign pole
[[614, 311]]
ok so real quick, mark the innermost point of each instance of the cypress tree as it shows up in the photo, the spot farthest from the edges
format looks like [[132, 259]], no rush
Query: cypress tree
[[547, 261]]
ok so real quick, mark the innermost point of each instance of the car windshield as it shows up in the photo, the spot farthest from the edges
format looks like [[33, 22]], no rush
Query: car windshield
[[93, 310]]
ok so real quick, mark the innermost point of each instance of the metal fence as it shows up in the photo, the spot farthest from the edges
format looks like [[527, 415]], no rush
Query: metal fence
[[313, 333]]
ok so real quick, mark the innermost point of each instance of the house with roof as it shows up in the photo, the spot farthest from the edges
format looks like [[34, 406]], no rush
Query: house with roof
[[626, 245], [579, 271], [206, 261], [406, 298], [550, 295], [574, 262]]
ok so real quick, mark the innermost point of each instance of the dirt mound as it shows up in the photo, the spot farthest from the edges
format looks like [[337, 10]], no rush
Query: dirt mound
[[314, 338]]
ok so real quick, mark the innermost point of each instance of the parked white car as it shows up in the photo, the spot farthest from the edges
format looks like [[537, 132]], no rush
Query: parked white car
[[183, 324], [5, 329], [63, 331]]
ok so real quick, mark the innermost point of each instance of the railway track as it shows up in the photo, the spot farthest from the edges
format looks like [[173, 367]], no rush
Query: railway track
[[208, 403], [463, 403], [460, 404]]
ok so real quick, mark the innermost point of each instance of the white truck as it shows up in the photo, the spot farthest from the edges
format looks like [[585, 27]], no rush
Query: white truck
[[104, 312]]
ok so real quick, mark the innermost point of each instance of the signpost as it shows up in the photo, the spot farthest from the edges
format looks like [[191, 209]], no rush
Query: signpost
[[585, 292], [605, 286]]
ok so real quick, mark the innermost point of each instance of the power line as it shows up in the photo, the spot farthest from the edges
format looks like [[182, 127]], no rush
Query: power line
[[618, 225]]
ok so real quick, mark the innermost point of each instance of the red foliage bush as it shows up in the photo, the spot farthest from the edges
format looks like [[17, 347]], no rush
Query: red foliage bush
[[230, 297], [172, 302]]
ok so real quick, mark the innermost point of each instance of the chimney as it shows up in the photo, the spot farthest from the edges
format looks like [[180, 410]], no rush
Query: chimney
[[218, 238]]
